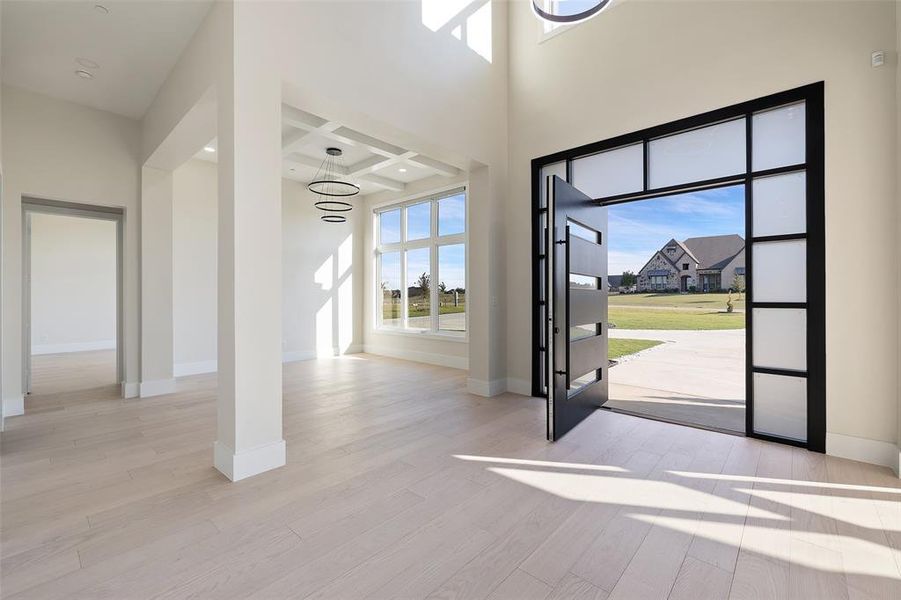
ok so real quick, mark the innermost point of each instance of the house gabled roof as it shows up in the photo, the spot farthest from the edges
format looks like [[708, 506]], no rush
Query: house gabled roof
[[715, 251]]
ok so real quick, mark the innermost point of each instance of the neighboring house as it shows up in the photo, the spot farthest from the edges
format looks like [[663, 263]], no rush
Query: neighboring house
[[614, 283], [707, 264]]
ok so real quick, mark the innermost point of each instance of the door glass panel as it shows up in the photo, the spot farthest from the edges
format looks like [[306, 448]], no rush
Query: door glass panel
[[419, 221], [619, 171], [582, 331], [583, 232], [780, 204], [452, 288], [780, 338], [558, 169], [390, 310], [452, 214], [418, 289], [578, 384], [389, 227], [706, 153], [778, 137], [780, 406], [780, 271], [583, 281]]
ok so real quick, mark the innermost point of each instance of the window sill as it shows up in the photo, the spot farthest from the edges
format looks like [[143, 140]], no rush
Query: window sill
[[423, 335]]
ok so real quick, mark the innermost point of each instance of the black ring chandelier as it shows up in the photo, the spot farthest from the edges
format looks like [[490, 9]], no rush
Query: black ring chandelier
[[568, 11], [332, 182]]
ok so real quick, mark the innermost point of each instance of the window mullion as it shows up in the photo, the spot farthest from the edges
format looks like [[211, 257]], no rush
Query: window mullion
[[433, 268], [404, 302]]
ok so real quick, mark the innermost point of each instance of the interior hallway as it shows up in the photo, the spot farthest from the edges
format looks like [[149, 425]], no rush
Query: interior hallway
[[400, 484]]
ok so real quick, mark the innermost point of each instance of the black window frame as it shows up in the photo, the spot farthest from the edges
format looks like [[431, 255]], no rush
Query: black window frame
[[814, 167]]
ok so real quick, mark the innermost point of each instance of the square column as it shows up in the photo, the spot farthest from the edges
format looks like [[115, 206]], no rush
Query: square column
[[249, 406], [156, 283]]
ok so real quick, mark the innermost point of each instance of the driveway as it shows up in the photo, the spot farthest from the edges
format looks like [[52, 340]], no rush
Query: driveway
[[694, 376]]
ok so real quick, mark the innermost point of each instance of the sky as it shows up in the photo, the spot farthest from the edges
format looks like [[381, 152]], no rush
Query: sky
[[638, 229]]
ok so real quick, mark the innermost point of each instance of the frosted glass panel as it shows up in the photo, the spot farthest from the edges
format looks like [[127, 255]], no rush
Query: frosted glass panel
[[780, 338], [780, 406], [610, 173], [780, 271], [558, 169], [780, 204], [706, 153], [778, 137]]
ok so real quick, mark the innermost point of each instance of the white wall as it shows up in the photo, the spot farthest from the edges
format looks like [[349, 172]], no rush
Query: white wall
[[322, 276], [63, 151], [194, 226], [73, 284], [446, 352], [645, 63]]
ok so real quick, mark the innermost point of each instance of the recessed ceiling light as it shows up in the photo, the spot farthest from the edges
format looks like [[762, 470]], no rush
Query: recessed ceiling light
[[84, 74], [101, 9], [209, 149], [87, 63], [402, 170]]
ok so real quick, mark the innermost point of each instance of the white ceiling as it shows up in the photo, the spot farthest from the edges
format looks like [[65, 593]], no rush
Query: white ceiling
[[371, 163], [135, 44]]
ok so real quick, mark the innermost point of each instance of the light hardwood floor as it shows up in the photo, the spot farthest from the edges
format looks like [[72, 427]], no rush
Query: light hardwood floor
[[401, 485]]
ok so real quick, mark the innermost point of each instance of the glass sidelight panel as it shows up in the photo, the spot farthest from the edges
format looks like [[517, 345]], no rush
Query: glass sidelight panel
[[706, 153], [780, 271], [780, 406], [778, 137], [610, 173], [780, 204], [780, 338]]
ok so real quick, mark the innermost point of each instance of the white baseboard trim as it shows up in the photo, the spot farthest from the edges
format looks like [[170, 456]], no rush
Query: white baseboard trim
[[869, 451], [131, 389], [523, 387], [441, 360], [73, 347], [238, 466], [480, 387], [157, 387], [13, 406], [194, 368]]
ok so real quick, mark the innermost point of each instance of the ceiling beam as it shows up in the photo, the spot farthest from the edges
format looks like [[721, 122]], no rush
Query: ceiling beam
[[384, 182], [377, 163], [436, 165], [300, 119], [293, 139]]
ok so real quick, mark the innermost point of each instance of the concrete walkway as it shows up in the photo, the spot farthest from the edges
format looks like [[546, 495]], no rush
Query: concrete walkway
[[694, 376]]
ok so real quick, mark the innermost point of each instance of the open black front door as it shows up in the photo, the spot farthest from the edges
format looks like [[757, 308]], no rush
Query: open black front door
[[577, 305]]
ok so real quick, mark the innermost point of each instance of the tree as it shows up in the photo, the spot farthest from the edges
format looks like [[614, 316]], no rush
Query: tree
[[629, 279], [738, 284], [423, 283], [442, 288]]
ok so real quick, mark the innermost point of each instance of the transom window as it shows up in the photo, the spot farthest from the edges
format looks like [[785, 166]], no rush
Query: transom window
[[421, 265]]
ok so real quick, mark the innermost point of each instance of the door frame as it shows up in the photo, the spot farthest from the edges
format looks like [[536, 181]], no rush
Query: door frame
[[32, 205], [814, 166]]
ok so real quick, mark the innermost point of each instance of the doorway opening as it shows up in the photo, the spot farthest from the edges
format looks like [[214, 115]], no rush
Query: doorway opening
[[71, 301], [676, 296], [772, 148]]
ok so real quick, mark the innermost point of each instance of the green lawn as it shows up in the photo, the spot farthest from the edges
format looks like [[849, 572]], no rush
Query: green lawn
[[623, 347], [625, 317], [711, 302]]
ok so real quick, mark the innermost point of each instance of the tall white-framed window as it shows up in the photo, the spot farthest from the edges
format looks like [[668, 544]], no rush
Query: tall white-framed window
[[420, 265]]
